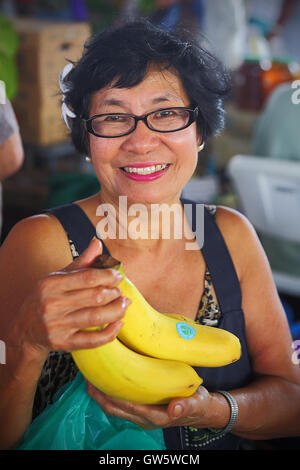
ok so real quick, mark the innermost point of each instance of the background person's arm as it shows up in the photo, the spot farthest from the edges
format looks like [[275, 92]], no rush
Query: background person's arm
[[11, 148], [11, 156]]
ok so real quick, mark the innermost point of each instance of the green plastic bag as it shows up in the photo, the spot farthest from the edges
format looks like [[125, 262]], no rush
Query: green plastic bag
[[76, 422]]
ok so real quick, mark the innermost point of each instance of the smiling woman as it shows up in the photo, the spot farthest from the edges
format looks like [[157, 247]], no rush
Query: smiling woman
[[136, 48], [141, 103], [147, 142]]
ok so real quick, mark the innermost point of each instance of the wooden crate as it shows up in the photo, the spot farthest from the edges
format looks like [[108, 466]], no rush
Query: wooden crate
[[45, 48], [38, 111]]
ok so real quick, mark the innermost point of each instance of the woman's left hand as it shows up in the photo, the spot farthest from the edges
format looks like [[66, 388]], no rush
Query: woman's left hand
[[191, 411]]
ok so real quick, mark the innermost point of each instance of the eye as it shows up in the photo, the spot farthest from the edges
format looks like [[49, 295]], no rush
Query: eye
[[165, 113], [116, 118]]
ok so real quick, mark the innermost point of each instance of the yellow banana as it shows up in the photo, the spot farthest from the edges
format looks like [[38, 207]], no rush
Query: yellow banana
[[150, 361], [173, 337], [127, 375]]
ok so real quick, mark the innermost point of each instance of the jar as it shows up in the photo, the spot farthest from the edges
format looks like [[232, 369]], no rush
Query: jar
[[248, 86], [278, 72]]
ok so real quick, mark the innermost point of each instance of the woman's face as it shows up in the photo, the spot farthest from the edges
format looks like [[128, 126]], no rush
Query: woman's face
[[144, 147]]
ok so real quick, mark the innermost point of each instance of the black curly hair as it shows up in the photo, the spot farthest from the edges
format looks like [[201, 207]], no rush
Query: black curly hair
[[122, 55]]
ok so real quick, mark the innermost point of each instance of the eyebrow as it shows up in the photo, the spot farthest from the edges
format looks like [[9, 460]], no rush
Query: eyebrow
[[159, 99], [166, 97], [112, 102]]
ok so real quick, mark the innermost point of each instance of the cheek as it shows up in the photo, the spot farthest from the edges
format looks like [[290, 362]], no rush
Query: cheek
[[93, 146], [102, 150], [185, 146], [186, 138]]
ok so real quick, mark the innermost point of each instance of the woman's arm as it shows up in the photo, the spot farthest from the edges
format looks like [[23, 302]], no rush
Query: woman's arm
[[44, 307], [269, 407]]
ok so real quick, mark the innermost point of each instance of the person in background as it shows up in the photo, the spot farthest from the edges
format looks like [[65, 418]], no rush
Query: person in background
[[219, 27], [11, 147], [276, 136], [225, 29], [172, 15], [278, 21]]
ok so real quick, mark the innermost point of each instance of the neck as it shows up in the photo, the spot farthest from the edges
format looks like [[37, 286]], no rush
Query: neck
[[145, 226]]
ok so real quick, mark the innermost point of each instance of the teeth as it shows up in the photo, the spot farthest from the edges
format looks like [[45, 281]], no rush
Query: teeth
[[146, 170]]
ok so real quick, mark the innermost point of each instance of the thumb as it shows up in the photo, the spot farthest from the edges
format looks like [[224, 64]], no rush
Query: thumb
[[192, 406], [88, 256]]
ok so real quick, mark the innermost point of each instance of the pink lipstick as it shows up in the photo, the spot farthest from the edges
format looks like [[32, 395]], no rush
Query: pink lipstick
[[145, 171]]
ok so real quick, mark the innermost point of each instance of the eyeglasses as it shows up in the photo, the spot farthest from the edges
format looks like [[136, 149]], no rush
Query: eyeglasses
[[162, 120]]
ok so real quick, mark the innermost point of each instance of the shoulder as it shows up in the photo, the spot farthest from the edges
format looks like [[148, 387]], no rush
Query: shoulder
[[232, 221], [240, 237], [39, 237], [35, 226]]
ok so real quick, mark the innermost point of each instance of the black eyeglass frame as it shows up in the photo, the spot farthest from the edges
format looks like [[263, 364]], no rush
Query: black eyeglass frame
[[193, 114]]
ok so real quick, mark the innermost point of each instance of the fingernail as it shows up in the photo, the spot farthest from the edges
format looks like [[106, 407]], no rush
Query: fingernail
[[125, 302], [104, 293], [119, 323], [177, 411], [117, 275], [96, 238]]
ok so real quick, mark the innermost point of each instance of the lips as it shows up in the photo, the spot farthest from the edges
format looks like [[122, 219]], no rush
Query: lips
[[147, 171]]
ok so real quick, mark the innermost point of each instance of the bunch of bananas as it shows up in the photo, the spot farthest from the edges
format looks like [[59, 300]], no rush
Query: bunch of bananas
[[151, 360]]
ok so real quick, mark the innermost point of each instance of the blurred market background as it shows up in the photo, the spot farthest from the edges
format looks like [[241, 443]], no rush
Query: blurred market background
[[252, 166]]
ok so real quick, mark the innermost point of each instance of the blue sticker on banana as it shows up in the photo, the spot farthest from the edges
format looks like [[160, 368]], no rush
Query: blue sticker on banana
[[185, 331]]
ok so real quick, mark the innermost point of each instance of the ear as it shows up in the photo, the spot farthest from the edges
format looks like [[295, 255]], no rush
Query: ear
[[200, 143]]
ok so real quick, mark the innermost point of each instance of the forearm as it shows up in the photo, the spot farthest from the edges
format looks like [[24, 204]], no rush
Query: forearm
[[269, 408], [18, 378], [11, 156]]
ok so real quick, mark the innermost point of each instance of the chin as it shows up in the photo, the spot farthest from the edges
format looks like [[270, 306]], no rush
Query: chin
[[148, 197]]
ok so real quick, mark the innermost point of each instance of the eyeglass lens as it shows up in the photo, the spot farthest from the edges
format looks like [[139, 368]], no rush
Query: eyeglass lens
[[162, 120]]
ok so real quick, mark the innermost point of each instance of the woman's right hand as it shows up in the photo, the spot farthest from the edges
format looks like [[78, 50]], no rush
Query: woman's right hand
[[66, 302]]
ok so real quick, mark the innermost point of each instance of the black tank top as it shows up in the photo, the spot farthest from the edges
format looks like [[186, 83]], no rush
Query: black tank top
[[227, 288]]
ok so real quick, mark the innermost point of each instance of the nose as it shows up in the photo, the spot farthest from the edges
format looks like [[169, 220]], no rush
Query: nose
[[142, 140]]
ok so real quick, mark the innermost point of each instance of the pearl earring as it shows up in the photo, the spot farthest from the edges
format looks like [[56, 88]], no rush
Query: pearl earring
[[88, 159], [200, 147]]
